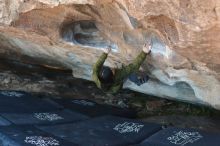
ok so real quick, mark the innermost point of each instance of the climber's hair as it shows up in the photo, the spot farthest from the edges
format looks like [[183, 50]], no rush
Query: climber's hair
[[106, 75]]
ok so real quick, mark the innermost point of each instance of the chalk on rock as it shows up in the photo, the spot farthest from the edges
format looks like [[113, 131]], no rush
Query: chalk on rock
[[107, 130], [22, 102], [29, 136], [182, 137], [93, 109], [56, 117]]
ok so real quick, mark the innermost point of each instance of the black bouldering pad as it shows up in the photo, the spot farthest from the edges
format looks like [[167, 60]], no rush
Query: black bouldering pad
[[182, 137], [93, 109], [29, 136], [56, 117], [101, 131], [4, 122], [22, 102]]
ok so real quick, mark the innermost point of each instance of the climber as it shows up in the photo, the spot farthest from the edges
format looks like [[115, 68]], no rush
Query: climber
[[111, 80]]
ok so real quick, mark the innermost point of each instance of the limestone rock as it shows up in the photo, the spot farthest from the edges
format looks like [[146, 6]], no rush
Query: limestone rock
[[184, 64]]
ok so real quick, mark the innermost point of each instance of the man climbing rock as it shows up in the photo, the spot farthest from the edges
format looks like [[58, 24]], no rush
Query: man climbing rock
[[111, 80]]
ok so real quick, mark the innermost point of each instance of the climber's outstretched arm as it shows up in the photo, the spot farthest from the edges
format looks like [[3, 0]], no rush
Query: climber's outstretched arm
[[98, 66], [124, 72]]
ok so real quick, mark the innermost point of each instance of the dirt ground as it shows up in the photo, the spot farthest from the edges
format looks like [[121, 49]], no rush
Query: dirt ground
[[46, 81]]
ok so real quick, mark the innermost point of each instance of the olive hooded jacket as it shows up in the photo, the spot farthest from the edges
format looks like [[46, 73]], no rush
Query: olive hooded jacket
[[120, 74]]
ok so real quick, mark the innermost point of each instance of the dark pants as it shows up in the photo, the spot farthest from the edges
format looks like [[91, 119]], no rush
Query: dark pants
[[138, 80]]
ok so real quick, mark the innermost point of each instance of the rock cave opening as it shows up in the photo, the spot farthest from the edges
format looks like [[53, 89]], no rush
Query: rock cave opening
[[85, 33]]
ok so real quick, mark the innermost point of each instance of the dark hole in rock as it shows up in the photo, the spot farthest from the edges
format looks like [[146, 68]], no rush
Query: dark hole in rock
[[85, 33]]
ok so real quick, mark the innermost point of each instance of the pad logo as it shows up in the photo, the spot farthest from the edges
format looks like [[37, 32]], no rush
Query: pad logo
[[84, 102], [128, 127], [11, 93], [41, 141], [47, 116], [182, 138]]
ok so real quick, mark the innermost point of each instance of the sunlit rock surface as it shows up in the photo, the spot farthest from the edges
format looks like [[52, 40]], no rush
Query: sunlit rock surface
[[184, 64]]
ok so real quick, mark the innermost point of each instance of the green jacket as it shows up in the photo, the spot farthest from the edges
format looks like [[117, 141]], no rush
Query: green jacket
[[120, 74]]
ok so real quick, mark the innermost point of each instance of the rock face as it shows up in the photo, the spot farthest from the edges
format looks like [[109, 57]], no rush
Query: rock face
[[184, 64]]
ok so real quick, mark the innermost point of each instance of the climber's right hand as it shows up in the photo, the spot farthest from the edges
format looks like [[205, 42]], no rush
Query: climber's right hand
[[108, 49], [147, 48]]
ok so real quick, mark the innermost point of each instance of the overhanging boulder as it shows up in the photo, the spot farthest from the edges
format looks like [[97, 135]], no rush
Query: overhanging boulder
[[184, 64]]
